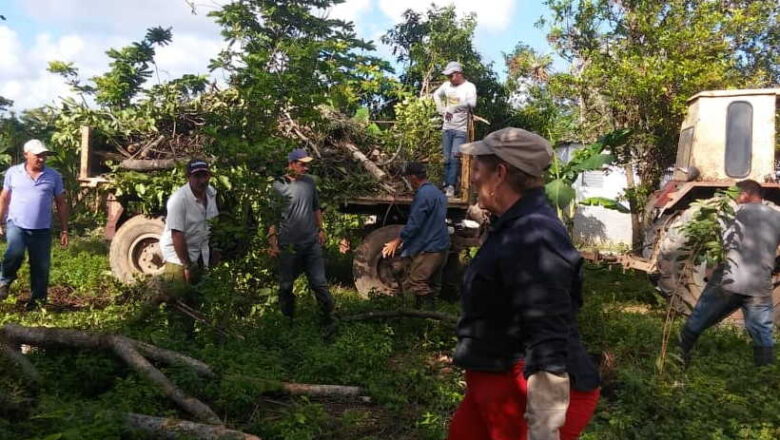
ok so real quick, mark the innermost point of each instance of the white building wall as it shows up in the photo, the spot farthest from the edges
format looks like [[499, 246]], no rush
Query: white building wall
[[596, 224]]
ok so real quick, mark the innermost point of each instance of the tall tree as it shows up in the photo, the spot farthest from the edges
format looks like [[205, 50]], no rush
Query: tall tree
[[636, 62]]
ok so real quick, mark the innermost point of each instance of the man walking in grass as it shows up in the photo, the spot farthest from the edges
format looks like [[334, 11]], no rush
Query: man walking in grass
[[25, 205], [744, 280], [298, 237]]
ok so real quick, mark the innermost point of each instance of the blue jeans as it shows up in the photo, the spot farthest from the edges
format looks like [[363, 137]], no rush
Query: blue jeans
[[37, 242], [715, 304], [294, 260], [451, 141]]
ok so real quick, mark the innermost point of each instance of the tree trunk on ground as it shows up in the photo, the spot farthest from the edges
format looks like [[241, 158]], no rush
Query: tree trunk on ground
[[401, 314], [123, 347], [176, 429]]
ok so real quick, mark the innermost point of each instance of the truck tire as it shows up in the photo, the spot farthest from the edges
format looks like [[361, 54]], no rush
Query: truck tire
[[135, 249], [374, 274], [671, 241]]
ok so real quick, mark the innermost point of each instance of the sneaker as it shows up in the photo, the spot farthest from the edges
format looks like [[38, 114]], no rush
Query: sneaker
[[4, 289], [449, 191], [33, 305]]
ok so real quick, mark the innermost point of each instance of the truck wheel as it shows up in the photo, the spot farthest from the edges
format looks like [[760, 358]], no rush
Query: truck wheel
[[671, 242], [374, 274], [135, 249]]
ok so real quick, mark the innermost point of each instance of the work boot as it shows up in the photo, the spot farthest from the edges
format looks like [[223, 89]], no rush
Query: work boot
[[4, 289], [686, 342], [425, 302], [763, 356]]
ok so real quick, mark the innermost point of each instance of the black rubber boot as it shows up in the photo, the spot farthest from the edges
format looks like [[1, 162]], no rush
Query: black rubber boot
[[686, 342], [763, 356]]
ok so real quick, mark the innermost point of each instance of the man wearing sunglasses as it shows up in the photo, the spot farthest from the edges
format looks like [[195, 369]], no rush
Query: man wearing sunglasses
[[455, 100]]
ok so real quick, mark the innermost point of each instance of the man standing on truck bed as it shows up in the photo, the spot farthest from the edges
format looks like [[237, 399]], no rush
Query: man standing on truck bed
[[744, 280], [424, 238], [298, 237], [28, 191], [185, 239], [455, 99]]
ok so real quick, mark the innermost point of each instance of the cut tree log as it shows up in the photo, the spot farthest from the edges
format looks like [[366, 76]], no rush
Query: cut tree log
[[148, 164], [126, 349], [175, 429], [390, 314], [367, 163], [341, 391]]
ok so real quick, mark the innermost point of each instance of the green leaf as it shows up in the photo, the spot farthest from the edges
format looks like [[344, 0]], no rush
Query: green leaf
[[594, 163], [560, 193], [606, 203]]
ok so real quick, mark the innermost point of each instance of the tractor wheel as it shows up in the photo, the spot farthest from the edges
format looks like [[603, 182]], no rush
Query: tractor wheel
[[671, 242], [135, 249], [374, 274]]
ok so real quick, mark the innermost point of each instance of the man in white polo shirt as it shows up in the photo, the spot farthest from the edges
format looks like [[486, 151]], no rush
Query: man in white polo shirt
[[25, 206], [185, 239]]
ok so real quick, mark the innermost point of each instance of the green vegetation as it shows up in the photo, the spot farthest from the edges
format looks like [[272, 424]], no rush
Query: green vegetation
[[402, 364]]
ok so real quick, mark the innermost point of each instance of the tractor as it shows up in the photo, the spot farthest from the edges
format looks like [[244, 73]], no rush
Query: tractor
[[726, 136]]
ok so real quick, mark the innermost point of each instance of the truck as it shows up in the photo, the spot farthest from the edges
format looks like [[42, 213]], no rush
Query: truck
[[726, 136], [134, 238]]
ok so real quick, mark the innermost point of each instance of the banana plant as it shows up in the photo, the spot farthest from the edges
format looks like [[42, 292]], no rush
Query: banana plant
[[594, 157]]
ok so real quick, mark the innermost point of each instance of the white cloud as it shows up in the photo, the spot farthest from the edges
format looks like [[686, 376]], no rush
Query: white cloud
[[80, 31], [24, 79], [492, 15], [350, 10]]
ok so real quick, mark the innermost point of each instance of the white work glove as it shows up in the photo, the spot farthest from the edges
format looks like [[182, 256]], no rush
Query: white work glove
[[547, 402]]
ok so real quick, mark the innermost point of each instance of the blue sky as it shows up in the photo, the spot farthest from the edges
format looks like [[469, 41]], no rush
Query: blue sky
[[80, 31]]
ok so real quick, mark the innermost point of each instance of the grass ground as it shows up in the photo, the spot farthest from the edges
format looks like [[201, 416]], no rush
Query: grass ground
[[403, 365]]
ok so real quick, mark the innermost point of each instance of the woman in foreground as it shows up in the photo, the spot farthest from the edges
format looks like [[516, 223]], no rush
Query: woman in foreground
[[528, 375]]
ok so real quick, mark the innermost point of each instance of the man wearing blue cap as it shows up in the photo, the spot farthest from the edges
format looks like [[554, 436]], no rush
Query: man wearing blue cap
[[298, 237], [455, 99], [185, 239]]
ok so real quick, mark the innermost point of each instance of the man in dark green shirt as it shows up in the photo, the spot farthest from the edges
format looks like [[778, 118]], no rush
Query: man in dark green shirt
[[298, 238]]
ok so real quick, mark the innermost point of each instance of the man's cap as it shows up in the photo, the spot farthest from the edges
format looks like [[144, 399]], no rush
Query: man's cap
[[197, 166], [300, 155], [415, 169], [452, 67], [36, 147], [520, 148]]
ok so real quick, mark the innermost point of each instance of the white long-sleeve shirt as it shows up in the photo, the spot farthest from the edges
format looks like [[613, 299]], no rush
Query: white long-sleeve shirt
[[456, 100]]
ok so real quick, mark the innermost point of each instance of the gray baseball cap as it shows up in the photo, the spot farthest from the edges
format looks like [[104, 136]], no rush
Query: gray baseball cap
[[520, 148], [452, 67]]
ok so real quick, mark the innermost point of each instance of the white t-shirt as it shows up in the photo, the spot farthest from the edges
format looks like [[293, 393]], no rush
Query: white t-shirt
[[457, 100], [187, 215]]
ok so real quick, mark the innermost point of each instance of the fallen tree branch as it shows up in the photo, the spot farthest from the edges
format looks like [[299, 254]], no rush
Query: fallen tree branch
[[125, 348], [175, 429], [401, 314], [173, 358]]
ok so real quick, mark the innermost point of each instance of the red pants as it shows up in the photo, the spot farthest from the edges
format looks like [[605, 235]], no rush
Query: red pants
[[494, 408]]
